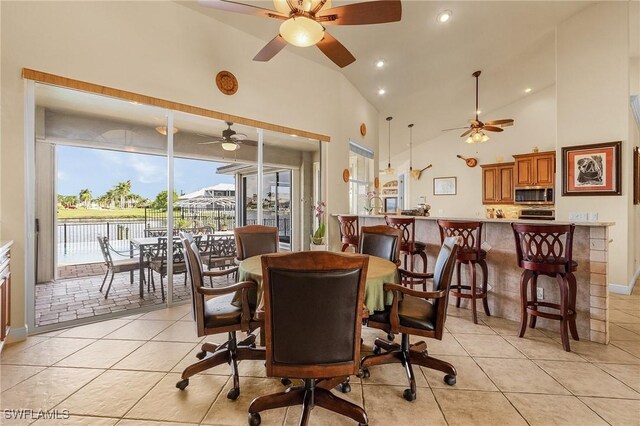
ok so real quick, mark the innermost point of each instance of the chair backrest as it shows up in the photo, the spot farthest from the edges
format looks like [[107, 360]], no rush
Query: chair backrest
[[160, 250], [195, 272], [544, 248], [381, 241], [407, 225], [220, 246], [348, 228], [104, 248], [443, 271], [253, 240], [470, 232], [313, 313]]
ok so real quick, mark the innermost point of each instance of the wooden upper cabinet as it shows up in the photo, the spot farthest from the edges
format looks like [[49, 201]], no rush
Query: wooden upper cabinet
[[497, 183], [535, 169]]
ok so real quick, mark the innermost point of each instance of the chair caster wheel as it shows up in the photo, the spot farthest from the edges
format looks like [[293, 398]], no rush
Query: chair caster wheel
[[364, 373], [344, 387], [201, 354], [182, 384], [363, 424], [376, 350], [254, 419], [390, 336], [408, 395], [450, 380], [233, 394], [285, 381]]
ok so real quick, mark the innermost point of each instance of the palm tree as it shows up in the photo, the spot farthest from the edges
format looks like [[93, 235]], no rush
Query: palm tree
[[122, 190], [85, 197]]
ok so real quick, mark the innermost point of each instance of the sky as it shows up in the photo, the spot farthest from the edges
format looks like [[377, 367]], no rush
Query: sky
[[99, 170]]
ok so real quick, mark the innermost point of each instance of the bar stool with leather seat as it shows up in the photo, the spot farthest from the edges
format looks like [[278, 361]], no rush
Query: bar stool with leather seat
[[349, 231], [547, 250], [409, 247], [470, 254]]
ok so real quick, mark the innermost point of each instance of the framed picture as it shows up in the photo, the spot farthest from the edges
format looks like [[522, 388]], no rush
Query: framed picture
[[592, 169], [636, 175], [444, 186]]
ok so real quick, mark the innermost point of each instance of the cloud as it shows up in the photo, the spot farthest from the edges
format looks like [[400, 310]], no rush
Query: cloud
[[147, 172]]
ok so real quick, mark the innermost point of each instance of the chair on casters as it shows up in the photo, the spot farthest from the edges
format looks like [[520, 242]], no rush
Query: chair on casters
[[541, 251], [217, 315], [313, 312], [412, 312], [409, 247], [381, 241], [348, 231], [254, 240], [470, 254]]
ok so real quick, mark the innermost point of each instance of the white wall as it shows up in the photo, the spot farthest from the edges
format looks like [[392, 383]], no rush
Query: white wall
[[593, 106], [535, 122], [164, 50]]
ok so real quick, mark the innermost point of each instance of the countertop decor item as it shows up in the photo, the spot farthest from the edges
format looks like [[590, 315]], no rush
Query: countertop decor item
[[227, 82], [317, 238]]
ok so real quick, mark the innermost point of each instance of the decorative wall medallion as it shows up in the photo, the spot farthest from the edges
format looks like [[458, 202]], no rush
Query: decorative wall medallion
[[227, 82], [376, 183], [363, 129], [345, 175]]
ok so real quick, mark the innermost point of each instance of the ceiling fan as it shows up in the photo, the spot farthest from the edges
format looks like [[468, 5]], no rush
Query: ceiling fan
[[230, 139], [475, 131], [305, 20]]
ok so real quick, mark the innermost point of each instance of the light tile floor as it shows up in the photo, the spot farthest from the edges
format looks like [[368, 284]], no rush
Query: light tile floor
[[124, 371]]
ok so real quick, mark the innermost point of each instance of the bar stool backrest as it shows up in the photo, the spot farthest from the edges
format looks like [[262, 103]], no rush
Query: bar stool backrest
[[470, 232], [408, 227], [544, 248], [348, 229]]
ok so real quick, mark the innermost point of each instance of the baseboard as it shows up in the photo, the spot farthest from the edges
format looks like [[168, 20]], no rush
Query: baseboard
[[17, 334]]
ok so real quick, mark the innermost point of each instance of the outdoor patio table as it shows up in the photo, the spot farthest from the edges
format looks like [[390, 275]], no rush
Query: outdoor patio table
[[380, 271]]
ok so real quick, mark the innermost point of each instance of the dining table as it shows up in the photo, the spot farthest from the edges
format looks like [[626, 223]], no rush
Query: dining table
[[380, 271]]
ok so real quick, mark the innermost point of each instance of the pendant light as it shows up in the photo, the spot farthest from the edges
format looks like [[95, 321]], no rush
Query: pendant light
[[389, 170], [413, 174]]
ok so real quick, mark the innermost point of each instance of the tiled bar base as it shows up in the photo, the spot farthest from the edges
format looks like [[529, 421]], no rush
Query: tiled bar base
[[590, 250]]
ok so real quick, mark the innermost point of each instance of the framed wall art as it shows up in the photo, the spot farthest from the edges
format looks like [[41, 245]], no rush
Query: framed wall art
[[636, 175], [444, 186], [592, 169]]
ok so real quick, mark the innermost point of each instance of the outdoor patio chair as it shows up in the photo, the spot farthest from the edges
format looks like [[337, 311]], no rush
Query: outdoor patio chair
[[218, 251], [129, 263], [158, 262]]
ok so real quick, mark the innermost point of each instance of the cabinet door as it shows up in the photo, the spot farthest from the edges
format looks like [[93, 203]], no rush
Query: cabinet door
[[489, 182], [545, 168], [505, 184], [524, 172]]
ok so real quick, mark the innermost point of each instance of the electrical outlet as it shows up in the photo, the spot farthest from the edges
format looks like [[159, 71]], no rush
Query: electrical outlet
[[540, 293], [593, 216]]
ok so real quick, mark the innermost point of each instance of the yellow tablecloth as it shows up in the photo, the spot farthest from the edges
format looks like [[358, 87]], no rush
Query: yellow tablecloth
[[380, 271]]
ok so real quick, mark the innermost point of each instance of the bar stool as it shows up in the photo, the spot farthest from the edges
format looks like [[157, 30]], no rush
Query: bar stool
[[349, 231], [547, 250], [409, 247], [469, 254]]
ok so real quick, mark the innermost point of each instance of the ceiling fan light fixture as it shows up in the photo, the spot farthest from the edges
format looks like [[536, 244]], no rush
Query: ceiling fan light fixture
[[230, 146], [484, 138], [301, 31]]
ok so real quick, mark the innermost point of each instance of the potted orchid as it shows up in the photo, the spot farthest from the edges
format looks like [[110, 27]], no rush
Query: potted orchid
[[317, 237]]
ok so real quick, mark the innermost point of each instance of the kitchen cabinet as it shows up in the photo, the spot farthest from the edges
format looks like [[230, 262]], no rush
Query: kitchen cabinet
[[5, 290], [497, 183], [535, 169]]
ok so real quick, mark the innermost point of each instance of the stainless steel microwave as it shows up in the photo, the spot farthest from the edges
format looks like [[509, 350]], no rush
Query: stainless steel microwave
[[534, 195]]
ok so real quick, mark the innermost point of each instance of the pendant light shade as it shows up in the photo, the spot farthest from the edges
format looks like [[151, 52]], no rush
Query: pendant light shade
[[389, 170]]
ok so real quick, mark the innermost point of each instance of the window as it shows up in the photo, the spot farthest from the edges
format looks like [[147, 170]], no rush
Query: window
[[361, 175]]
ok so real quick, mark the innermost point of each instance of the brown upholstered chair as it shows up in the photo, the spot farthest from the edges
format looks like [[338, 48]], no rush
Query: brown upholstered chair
[[126, 264], [409, 247], [547, 250], [217, 315], [415, 312], [381, 241], [348, 231], [313, 313], [253, 240]]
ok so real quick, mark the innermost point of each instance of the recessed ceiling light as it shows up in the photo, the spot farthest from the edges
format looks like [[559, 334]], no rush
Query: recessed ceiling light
[[379, 63], [527, 90], [293, 136], [381, 91], [444, 16], [478, 112]]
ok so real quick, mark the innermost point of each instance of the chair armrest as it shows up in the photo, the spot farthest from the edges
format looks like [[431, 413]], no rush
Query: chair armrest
[[220, 273], [411, 274], [416, 293], [227, 289]]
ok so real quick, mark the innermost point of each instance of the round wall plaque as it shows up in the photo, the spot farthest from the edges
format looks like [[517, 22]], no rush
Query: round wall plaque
[[227, 82], [363, 129], [376, 182], [346, 175]]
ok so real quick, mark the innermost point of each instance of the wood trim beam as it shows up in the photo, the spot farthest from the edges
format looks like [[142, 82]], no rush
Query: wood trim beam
[[56, 80]]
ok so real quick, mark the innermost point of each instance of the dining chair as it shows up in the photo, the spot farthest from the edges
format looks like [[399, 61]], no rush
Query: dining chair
[[421, 313], [129, 263], [313, 312], [381, 241], [253, 240], [217, 314]]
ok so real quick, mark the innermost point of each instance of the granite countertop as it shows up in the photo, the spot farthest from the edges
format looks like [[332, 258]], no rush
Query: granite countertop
[[504, 220]]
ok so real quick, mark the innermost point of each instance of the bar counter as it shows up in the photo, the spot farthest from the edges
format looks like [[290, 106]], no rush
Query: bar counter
[[590, 250]]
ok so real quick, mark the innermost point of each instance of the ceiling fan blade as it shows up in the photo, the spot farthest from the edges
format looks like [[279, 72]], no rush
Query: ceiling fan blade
[[232, 6], [209, 142], [502, 123], [493, 128], [466, 133], [335, 51], [455, 128], [271, 49], [247, 142], [371, 12]]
